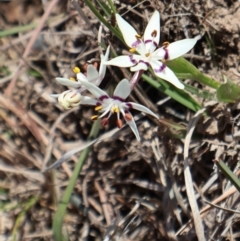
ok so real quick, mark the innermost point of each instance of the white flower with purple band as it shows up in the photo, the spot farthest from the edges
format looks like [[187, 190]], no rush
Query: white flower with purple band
[[148, 54], [71, 98], [106, 106]]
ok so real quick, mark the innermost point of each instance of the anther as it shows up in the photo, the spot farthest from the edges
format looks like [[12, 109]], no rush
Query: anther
[[97, 108], [119, 123], [132, 50], [165, 44], [147, 55], [76, 70], [72, 79], [128, 117], [154, 33], [138, 36], [94, 117], [104, 121]]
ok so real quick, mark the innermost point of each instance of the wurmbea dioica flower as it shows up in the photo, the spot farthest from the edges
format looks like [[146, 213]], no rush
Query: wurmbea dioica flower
[[106, 106], [72, 98], [148, 54]]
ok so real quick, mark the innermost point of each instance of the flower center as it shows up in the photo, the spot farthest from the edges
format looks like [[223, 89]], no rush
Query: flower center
[[115, 109]]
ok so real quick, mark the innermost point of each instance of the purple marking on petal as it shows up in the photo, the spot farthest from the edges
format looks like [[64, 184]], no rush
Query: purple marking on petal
[[101, 98], [141, 61], [166, 55], [132, 59], [136, 43], [118, 98], [160, 69], [150, 41], [129, 106]]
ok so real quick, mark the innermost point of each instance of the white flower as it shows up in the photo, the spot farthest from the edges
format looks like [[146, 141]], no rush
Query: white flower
[[148, 54], [71, 98], [107, 106]]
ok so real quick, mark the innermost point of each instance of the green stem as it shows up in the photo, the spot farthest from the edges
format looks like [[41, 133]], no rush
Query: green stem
[[112, 6], [228, 173], [59, 215], [102, 19]]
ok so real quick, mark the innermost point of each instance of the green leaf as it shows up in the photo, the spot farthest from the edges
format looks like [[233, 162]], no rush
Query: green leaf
[[228, 92], [105, 8], [177, 94], [228, 173], [185, 70], [62, 207]]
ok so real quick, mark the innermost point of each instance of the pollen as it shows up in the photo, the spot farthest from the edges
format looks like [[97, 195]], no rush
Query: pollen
[[165, 44], [72, 79], [132, 50], [115, 109], [76, 70], [154, 33], [97, 108], [94, 117]]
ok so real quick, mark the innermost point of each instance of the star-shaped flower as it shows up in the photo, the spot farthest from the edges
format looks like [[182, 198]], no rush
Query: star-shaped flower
[[106, 106], [72, 98], [148, 54]]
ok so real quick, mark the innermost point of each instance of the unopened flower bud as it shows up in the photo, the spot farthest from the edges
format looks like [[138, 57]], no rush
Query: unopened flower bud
[[69, 99]]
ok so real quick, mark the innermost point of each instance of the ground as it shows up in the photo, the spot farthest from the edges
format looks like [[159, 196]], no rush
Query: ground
[[126, 190]]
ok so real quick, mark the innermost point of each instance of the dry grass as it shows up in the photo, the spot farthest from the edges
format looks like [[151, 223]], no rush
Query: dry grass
[[127, 190]]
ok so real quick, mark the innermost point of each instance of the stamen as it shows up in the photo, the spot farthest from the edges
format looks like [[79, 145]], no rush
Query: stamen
[[97, 108], [94, 117], [76, 70], [154, 33], [72, 79], [165, 44], [147, 55], [119, 123], [128, 117], [115, 109], [104, 121], [138, 36], [132, 50]]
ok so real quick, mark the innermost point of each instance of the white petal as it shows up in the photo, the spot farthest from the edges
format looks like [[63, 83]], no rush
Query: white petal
[[128, 32], [92, 73], [153, 27], [68, 82], [124, 61], [81, 77], [123, 89], [102, 68], [142, 108], [92, 88], [160, 54], [139, 66], [133, 127], [165, 73], [180, 47], [88, 101]]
